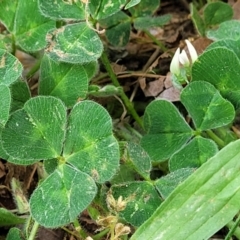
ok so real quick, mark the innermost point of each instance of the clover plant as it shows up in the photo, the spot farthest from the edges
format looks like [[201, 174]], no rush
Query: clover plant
[[71, 137], [211, 99], [118, 26], [213, 14]]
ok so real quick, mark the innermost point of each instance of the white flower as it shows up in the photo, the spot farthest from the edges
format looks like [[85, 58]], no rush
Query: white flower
[[192, 51], [182, 58], [175, 66]]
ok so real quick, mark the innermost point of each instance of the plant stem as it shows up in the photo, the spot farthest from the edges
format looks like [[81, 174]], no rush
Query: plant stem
[[79, 229], [33, 231], [122, 94], [112, 232], [124, 237], [72, 233], [234, 229], [155, 40], [214, 137], [101, 234], [13, 45]]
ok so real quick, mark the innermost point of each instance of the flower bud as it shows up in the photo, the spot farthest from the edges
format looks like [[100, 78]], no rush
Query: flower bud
[[175, 66], [192, 51], [183, 59]]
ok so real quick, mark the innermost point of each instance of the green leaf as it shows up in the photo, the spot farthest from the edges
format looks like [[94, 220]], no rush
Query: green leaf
[[217, 12], [206, 106], [105, 8], [164, 137], [226, 134], [220, 67], [230, 44], [140, 159], [8, 19], [25, 22], [119, 35], [90, 145], [194, 154], [195, 206], [7, 218], [20, 94], [91, 69], [118, 27], [75, 43], [132, 3], [145, 8], [197, 20], [58, 9], [149, 22], [50, 165], [14, 234], [142, 200], [36, 131], [3, 154], [6, 42], [4, 104], [165, 185], [106, 91], [64, 80], [125, 173], [226, 30], [10, 68], [24, 162], [61, 197]]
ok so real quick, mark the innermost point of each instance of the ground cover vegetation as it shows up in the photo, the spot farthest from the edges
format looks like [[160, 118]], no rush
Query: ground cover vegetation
[[119, 119]]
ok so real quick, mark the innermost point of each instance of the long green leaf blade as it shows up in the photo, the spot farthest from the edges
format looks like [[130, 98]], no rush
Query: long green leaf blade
[[201, 205]]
